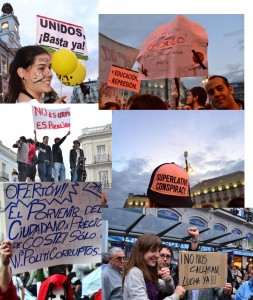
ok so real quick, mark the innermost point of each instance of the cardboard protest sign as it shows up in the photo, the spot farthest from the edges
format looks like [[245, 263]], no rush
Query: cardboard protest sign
[[174, 50], [44, 118], [124, 79], [112, 53], [53, 223], [56, 34], [200, 270]]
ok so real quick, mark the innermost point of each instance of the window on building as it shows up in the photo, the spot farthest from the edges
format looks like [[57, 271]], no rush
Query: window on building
[[4, 68], [236, 232], [219, 227], [5, 25], [3, 167], [103, 178], [168, 214], [249, 241], [198, 222], [101, 156]]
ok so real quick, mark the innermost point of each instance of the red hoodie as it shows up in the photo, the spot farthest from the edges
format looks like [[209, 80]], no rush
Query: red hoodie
[[57, 280]]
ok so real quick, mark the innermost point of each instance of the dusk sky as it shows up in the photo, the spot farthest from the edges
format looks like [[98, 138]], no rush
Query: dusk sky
[[142, 140], [225, 38]]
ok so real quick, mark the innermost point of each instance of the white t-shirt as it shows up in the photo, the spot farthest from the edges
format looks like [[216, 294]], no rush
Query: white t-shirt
[[77, 156], [17, 282]]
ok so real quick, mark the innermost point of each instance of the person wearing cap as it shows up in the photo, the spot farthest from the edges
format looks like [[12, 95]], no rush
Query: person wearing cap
[[220, 93], [169, 187], [197, 98], [58, 165], [7, 289], [76, 159]]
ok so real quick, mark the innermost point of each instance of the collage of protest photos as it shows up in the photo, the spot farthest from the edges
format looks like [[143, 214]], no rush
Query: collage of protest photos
[[123, 175]]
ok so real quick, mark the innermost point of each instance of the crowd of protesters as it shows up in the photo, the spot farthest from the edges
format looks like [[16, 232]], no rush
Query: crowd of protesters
[[67, 286], [217, 89], [34, 156], [149, 273]]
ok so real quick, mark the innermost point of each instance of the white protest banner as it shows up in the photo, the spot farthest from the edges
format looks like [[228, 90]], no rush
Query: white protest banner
[[174, 50], [200, 270], [53, 223], [112, 53], [44, 118], [56, 34]]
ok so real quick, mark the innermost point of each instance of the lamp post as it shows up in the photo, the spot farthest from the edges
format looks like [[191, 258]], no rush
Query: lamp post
[[186, 162]]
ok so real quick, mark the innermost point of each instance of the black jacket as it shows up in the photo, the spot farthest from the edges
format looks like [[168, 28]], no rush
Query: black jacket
[[57, 153], [73, 156], [45, 152]]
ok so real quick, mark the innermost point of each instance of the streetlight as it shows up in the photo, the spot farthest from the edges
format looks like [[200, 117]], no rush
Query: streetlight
[[188, 168], [186, 162]]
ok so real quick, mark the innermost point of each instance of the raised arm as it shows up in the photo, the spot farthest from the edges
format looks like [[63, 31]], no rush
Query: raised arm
[[5, 271], [194, 233]]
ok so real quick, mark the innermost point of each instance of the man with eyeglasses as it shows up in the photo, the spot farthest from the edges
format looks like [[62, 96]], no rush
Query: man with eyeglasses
[[166, 267], [112, 275]]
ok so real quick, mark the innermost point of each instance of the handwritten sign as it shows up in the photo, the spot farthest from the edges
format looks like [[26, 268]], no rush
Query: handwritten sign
[[51, 223], [112, 53], [124, 79], [44, 118], [200, 270], [56, 34], [174, 50]]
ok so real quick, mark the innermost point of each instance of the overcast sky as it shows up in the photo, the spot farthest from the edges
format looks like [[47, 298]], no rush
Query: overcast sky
[[83, 13], [16, 120], [224, 32], [142, 140]]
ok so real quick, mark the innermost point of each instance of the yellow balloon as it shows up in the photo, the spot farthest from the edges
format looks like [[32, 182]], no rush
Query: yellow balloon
[[63, 61], [76, 77]]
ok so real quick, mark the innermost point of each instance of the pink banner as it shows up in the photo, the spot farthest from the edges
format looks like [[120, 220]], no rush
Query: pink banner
[[174, 50]]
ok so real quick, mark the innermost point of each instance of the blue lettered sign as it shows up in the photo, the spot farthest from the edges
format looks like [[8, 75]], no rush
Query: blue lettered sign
[[53, 223]]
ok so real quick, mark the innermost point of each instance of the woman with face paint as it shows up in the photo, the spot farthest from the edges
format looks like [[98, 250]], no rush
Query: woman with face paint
[[30, 76], [56, 287], [140, 279]]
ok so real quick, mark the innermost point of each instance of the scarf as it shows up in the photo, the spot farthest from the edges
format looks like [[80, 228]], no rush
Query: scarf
[[152, 290]]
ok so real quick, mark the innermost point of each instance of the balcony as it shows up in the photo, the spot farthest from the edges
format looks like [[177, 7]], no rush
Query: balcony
[[101, 158], [4, 176]]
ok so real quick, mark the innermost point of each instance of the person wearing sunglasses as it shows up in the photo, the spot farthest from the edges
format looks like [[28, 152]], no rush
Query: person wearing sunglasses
[[112, 275]]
